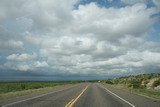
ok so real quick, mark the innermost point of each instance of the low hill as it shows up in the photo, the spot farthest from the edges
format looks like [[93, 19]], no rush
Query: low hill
[[144, 84], [139, 81]]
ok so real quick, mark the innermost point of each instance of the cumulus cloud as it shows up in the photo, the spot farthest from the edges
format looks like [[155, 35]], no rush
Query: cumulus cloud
[[16, 66], [26, 66], [112, 23], [20, 57], [24, 62], [40, 64], [46, 15], [56, 36]]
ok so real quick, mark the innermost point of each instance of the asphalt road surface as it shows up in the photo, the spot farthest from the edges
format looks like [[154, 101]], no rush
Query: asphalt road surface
[[86, 95]]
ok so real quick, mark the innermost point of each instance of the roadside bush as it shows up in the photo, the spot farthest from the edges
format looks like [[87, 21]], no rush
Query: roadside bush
[[23, 86], [134, 83], [19, 86], [115, 81], [109, 82], [157, 82]]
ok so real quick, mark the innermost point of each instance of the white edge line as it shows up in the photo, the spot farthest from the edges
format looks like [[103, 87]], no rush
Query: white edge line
[[118, 96], [35, 97]]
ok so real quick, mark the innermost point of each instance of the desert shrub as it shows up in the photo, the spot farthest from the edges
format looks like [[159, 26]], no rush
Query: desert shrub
[[134, 83], [157, 82], [19, 86], [109, 82], [116, 81]]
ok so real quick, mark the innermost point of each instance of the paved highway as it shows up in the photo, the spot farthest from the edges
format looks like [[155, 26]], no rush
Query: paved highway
[[85, 95]]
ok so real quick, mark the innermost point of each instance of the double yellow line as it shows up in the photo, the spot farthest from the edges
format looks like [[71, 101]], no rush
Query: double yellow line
[[73, 101]]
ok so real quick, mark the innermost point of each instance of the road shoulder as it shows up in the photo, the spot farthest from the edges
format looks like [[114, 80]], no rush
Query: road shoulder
[[21, 95], [137, 100]]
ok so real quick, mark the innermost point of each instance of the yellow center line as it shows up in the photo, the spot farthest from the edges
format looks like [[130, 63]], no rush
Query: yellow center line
[[69, 103], [73, 101]]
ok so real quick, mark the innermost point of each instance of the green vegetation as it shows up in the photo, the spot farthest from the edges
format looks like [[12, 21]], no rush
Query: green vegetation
[[139, 81], [147, 92], [6, 87], [109, 82], [15, 89], [144, 84]]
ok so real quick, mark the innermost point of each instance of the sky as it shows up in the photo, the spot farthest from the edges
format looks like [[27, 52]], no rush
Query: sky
[[78, 39]]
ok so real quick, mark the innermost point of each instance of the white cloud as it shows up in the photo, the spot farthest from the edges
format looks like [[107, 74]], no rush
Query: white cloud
[[21, 57], [151, 58], [51, 34], [22, 67], [113, 23], [16, 66], [40, 64], [89, 46], [137, 59], [26, 65], [105, 50]]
